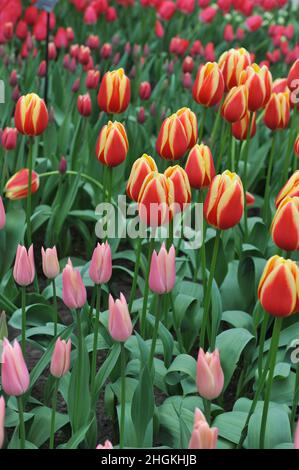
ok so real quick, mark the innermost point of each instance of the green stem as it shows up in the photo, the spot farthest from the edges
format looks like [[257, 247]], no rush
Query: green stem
[[55, 307], [232, 153], [22, 424], [95, 338], [216, 124], [23, 294], [202, 124], [136, 271], [266, 207], [29, 196], [176, 325], [261, 343], [146, 287], [155, 332], [272, 353], [53, 414], [295, 399], [4, 171], [123, 397], [109, 184], [79, 357], [246, 154], [224, 131], [207, 407]]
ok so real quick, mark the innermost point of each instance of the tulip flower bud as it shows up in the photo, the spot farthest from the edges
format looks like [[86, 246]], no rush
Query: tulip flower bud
[[17, 185], [31, 115], [84, 105], [141, 115], [188, 64], [156, 196], [296, 440], [2, 420], [106, 51], [61, 358], [259, 83], [115, 92], [112, 144], [24, 269], [119, 321], [107, 445], [145, 90], [13, 78], [9, 138], [8, 30], [285, 225], [187, 81], [280, 85], [76, 85], [92, 79], [50, 262], [208, 87], [200, 166], [231, 64], [62, 165], [42, 68], [296, 146], [83, 55], [277, 111], [142, 167], [14, 375], [291, 188], [209, 375], [240, 128], [293, 76], [52, 51], [162, 270], [2, 215], [202, 437], [235, 105], [73, 289], [224, 204], [278, 289], [100, 269], [181, 185]]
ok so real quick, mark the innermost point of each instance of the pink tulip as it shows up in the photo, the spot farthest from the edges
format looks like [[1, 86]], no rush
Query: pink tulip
[[73, 289], [209, 377], [24, 270], [107, 445], [119, 324], [14, 374], [162, 270], [100, 270], [2, 419], [61, 357], [202, 437], [2, 215], [296, 440], [51, 267]]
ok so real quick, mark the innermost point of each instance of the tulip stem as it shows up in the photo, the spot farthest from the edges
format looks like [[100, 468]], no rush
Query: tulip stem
[[146, 287], [109, 184], [136, 271], [95, 337], [22, 424], [23, 295], [266, 207], [295, 399], [232, 153], [207, 296], [79, 357], [272, 362], [55, 307], [289, 148], [207, 408], [4, 171], [246, 154], [156, 329], [216, 124], [176, 325], [53, 414], [225, 129], [261, 343], [29, 196], [123, 397], [202, 124]]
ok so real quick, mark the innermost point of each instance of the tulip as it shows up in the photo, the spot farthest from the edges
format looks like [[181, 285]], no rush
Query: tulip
[[200, 166], [202, 437], [84, 105], [119, 323], [17, 185], [277, 111], [291, 188], [2, 215], [231, 64], [285, 225], [31, 115], [145, 90], [188, 64], [296, 440], [2, 420], [293, 77], [73, 289], [224, 204], [162, 270], [61, 357], [259, 83], [296, 146], [278, 289], [209, 375], [155, 198], [106, 51], [181, 185], [24, 269], [235, 105], [208, 87], [280, 85], [142, 167], [92, 79], [9, 138], [240, 128], [107, 445], [115, 92], [100, 269], [50, 262], [14, 375], [112, 144], [83, 55]]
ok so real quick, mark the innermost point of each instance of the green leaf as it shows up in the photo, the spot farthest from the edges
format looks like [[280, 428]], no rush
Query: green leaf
[[142, 408], [183, 366], [39, 431], [106, 368]]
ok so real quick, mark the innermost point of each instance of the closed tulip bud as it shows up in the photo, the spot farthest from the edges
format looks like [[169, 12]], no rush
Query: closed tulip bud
[[240, 128], [13, 78], [224, 204], [50, 262], [187, 81], [202, 437], [100, 269], [296, 146], [296, 440], [142, 167], [209, 375], [52, 51], [235, 105], [107, 445], [92, 79], [62, 165], [119, 322], [8, 30], [17, 185], [24, 269], [141, 115], [42, 68], [285, 225], [156, 196], [61, 358], [259, 83], [112, 144], [31, 115], [9, 138], [200, 166], [83, 55], [188, 64], [293, 76], [145, 90], [2, 420], [291, 188], [73, 289], [278, 289], [76, 85], [162, 270], [3, 328], [208, 87], [231, 64], [106, 51], [115, 92], [181, 185], [277, 111], [280, 85], [14, 374], [2, 215], [84, 105]]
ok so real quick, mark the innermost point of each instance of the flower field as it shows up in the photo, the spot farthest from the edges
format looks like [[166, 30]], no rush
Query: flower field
[[149, 224]]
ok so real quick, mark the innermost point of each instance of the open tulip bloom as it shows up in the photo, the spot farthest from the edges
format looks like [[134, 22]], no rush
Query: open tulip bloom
[[149, 226]]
